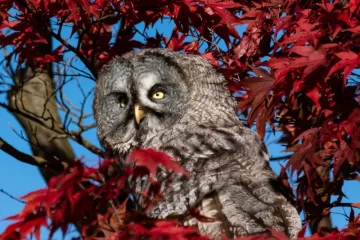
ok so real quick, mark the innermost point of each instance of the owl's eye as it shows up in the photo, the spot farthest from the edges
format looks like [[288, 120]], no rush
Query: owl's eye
[[123, 101], [158, 95]]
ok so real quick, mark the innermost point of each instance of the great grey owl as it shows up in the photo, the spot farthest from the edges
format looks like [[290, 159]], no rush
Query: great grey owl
[[180, 105]]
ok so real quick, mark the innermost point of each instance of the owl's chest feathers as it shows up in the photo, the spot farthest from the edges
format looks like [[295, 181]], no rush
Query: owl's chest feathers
[[212, 155], [198, 148]]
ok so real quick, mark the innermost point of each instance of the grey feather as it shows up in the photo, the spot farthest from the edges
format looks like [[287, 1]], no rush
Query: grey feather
[[196, 124]]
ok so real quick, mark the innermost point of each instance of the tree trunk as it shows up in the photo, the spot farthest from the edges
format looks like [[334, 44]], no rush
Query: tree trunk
[[34, 95]]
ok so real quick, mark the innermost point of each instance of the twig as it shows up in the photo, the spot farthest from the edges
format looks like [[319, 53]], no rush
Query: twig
[[11, 196], [73, 135], [32, 160], [61, 40], [280, 158]]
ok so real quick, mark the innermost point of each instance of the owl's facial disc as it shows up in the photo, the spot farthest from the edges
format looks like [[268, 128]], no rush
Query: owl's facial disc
[[139, 97]]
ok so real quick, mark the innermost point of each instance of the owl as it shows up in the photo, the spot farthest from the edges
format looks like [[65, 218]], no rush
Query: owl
[[180, 105]]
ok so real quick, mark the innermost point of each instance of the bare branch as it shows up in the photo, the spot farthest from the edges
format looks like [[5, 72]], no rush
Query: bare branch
[[11, 196], [58, 37], [32, 160], [73, 135], [280, 158]]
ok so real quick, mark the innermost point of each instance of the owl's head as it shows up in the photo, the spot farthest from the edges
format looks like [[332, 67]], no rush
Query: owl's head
[[147, 91]]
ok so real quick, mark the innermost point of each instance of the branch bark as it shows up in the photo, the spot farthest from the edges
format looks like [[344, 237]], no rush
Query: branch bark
[[58, 131], [34, 95], [32, 160]]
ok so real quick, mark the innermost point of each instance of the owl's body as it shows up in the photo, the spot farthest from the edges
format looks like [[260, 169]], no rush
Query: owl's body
[[187, 111]]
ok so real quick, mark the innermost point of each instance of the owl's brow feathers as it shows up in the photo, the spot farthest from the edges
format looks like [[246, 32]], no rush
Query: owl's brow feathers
[[167, 59]]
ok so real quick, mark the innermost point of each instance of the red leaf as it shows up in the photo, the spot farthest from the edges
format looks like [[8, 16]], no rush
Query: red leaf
[[152, 159], [74, 10], [196, 213], [314, 59], [260, 125], [355, 116], [138, 229], [234, 86], [170, 229], [192, 47], [209, 57], [262, 73], [308, 134], [305, 51], [283, 23], [354, 29], [278, 62], [349, 61], [301, 234], [315, 95], [10, 230], [31, 223], [176, 42], [357, 205], [257, 84], [249, 43], [278, 235], [220, 9], [353, 4]]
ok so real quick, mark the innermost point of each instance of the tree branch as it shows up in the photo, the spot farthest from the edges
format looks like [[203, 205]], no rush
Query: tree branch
[[32, 160], [280, 158], [60, 39], [11, 196], [73, 135]]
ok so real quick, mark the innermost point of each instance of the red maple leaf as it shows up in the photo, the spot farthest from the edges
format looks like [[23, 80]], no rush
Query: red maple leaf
[[151, 159]]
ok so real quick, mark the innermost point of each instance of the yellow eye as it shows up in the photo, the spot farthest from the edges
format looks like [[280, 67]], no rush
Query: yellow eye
[[123, 102], [158, 95]]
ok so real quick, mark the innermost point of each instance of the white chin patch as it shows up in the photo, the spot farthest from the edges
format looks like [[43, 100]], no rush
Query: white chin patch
[[122, 148], [154, 124]]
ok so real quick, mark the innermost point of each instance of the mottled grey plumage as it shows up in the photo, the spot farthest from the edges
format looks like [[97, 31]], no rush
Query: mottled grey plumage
[[196, 124]]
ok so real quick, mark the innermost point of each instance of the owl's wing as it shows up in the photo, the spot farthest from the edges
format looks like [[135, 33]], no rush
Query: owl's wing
[[240, 211], [252, 200], [231, 182]]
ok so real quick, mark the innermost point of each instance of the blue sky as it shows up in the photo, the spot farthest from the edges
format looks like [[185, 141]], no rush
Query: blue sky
[[18, 178]]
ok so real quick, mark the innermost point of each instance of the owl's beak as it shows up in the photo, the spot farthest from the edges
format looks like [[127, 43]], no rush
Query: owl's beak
[[139, 113]]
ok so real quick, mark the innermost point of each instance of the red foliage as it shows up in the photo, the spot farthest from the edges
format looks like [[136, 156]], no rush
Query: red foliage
[[152, 159], [81, 193], [295, 66]]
